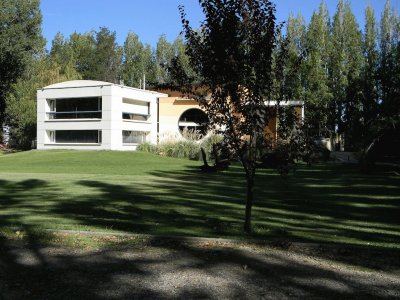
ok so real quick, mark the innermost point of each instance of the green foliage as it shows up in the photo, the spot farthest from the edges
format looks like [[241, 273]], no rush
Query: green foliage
[[180, 149], [345, 69], [147, 147], [132, 66], [20, 40], [163, 56], [107, 57], [63, 54], [349, 85], [94, 55], [296, 42], [137, 62], [20, 112], [389, 62], [317, 93], [187, 146], [233, 56]]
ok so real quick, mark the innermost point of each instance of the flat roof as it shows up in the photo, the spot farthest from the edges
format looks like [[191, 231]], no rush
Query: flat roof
[[92, 83]]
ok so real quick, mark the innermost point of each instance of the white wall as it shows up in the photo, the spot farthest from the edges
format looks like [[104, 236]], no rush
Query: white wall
[[111, 123]]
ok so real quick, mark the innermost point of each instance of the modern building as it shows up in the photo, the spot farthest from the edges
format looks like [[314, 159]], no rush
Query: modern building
[[97, 115]]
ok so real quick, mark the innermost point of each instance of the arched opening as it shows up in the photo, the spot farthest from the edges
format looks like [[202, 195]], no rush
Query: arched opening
[[194, 120]]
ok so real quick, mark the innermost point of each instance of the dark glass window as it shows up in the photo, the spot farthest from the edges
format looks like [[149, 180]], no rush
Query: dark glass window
[[75, 108], [135, 117], [194, 119], [78, 136]]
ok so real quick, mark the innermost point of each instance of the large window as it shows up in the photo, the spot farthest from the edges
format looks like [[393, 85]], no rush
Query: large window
[[135, 117], [75, 136], [195, 120], [135, 110], [75, 108], [134, 137]]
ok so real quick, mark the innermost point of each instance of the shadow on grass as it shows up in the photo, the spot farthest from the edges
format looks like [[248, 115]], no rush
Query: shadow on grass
[[319, 204], [162, 269]]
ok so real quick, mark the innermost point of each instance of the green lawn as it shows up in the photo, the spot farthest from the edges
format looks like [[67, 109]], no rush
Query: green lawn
[[142, 193]]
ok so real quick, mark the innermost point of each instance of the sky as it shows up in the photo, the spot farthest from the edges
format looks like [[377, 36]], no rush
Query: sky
[[151, 18]]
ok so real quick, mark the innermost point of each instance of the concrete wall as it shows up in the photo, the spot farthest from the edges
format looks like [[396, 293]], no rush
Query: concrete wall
[[170, 110], [111, 124], [162, 124]]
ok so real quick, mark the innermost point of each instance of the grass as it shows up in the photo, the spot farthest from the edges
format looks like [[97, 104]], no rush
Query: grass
[[139, 192]]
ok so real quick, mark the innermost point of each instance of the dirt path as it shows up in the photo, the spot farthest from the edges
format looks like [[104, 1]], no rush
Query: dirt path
[[183, 270]]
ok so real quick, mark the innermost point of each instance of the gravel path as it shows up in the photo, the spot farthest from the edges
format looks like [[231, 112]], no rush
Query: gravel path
[[187, 270]]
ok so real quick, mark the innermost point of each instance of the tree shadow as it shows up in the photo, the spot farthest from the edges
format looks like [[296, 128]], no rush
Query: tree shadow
[[190, 203], [171, 269]]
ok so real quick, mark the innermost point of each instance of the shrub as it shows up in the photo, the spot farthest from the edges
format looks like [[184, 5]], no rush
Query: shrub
[[147, 147], [187, 147]]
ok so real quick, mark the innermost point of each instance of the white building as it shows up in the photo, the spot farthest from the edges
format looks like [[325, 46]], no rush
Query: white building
[[95, 115]]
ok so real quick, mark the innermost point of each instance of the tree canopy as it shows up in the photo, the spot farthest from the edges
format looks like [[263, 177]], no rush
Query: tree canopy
[[20, 40], [233, 55]]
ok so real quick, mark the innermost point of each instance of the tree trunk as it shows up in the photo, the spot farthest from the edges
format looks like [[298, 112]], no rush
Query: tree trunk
[[249, 203]]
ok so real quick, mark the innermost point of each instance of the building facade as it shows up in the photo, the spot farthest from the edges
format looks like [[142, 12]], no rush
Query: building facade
[[97, 115]]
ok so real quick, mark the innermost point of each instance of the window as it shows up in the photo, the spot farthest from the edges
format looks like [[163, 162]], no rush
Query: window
[[51, 135], [133, 137], [75, 136], [75, 108], [135, 110], [195, 120], [135, 117]]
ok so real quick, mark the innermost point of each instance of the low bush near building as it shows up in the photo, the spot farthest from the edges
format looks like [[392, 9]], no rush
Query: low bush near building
[[187, 147]]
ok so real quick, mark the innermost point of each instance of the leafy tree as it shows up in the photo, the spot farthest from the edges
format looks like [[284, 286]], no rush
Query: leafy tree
[[233, 55], [369, 101], [83, 47], [137, 61], [94, 55], [20, 40], [317, 92], [20, 111], [180, 57], [295, 36], [386, 125], [149, 65], [132, 65], [64, 56], [164, 54], [346, 63], [107, 57], [389, 62]]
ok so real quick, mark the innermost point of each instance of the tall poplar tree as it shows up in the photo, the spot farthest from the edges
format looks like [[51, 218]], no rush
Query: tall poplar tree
[[132, 65], [369, 76], [83, 47], [389, 62], [317, 94], [295, 39], [107, 57], [64, 56], [163, 56], [345, 69]]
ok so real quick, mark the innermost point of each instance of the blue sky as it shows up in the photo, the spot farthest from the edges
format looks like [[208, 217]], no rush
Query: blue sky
[[151, 18]]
